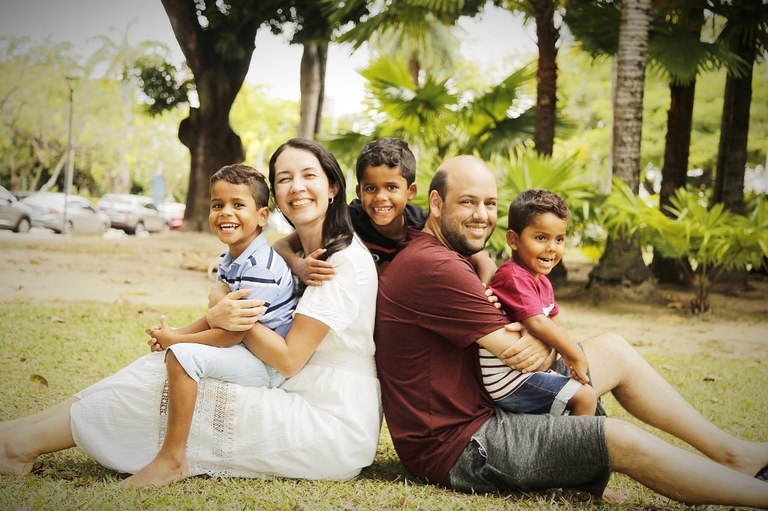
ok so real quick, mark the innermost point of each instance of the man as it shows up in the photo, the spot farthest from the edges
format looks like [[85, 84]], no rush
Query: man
[[431, 315]]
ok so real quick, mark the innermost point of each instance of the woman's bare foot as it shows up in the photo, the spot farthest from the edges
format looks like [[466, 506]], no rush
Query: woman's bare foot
[[161, 471], [13, 462]]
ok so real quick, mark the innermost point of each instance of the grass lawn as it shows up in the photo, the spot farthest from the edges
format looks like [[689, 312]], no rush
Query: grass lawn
[[51, 351]]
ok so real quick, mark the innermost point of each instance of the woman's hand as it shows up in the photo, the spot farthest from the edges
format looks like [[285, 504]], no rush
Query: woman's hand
[[528, 354], [235, 314]]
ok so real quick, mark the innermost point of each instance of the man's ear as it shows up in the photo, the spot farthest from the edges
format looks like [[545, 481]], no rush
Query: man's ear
[[512, 239], [262, 216], [411, 191], [435, 203]]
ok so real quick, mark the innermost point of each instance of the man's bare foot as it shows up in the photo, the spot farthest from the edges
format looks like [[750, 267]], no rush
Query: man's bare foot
[[613, 496], [750, 459], [161, 471], [12, 463]]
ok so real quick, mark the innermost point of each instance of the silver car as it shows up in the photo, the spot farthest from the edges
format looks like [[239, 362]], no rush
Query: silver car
[[14, 214], [133, 213], [82, 215]]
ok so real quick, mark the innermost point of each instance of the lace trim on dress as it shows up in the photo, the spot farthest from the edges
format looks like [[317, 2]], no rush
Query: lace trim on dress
[[163, 413], [212, 438]]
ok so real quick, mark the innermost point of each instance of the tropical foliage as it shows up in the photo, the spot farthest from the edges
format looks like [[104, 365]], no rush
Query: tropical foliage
[[710, 238]]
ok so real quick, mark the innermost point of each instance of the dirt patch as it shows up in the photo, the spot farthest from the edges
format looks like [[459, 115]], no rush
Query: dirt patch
[[46, 267], [113, 268]]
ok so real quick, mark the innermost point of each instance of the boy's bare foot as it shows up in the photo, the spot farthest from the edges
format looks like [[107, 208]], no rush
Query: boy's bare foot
[[161, 471], [12, 463]]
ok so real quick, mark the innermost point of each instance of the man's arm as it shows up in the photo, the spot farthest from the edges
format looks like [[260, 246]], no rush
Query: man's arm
[[523, 352]]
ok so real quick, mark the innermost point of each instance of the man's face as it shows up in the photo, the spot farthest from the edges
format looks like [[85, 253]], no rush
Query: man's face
[[468, 213]]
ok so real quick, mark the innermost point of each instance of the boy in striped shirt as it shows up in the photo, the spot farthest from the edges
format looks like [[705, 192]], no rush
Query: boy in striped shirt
[[238, 213]]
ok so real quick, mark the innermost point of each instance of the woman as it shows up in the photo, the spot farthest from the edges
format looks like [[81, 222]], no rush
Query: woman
[[323, 423]]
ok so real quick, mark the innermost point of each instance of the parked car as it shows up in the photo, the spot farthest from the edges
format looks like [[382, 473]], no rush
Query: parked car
[[14, 215], [174, 213], [82, 214], [133, 213]]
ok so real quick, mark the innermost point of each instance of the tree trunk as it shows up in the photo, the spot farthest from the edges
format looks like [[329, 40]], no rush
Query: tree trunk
[[734, 128], [218, 77], [546, 76], [674, 173], [622, 258], [312, 81]]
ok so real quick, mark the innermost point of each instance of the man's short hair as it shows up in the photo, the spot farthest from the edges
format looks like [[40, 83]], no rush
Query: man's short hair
[[240, 174], [388, 151], [531, 203]]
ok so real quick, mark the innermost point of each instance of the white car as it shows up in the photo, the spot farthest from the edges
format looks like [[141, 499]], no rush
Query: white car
[[81, 215], [135, 214], [14, 215]]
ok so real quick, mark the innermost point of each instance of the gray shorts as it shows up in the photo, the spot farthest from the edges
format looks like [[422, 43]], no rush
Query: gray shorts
[[534, 452]]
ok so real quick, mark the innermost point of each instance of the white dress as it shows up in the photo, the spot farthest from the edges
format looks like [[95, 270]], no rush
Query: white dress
[[323, 423]]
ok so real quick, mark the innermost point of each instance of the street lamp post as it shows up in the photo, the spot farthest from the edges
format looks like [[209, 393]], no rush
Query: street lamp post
[[70, 161]]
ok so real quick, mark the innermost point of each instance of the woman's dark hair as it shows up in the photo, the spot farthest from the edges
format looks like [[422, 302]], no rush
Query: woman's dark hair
[[337, 226]]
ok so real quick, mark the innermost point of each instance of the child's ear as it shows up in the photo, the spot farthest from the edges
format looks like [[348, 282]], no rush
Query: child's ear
[[262, 216], [512, 239], [357, 191], [412, 191]]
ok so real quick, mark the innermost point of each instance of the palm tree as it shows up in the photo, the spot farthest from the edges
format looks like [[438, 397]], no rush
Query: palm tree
[[315, 22], [415, 29], [622, 258], [547, 36], [746, 34]]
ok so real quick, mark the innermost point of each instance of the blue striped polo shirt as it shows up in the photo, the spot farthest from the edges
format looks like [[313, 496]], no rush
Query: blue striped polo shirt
[[265, 273]]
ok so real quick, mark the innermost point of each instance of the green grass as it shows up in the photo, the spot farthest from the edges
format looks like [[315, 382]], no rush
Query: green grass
[[73, 345]]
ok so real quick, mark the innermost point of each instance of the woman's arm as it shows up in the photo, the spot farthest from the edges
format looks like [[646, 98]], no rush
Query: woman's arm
[[287, 355], [233, 313]]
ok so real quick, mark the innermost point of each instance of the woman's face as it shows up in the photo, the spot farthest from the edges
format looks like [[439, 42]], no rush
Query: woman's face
[[302, 189]]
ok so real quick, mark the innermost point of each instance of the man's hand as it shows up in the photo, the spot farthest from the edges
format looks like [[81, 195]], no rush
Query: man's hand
[[313, 271], [235, 314], [527, 354]]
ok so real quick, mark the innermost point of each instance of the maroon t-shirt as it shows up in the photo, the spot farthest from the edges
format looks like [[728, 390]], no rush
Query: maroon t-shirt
[[431, 309]]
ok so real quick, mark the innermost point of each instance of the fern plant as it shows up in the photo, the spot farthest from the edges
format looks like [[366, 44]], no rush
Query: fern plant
[[711, 239]]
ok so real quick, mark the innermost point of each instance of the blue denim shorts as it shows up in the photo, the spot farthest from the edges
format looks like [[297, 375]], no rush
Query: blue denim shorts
[[234, 364], [544, 392]]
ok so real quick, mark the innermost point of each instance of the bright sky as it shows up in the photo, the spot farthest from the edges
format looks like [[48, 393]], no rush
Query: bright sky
[[275, 63]]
